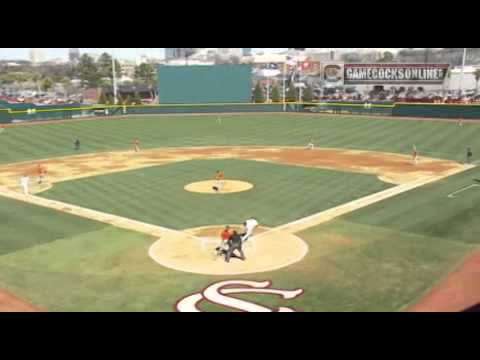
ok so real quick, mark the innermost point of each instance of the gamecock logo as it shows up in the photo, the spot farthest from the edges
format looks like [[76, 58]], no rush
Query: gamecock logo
[[218, 294]]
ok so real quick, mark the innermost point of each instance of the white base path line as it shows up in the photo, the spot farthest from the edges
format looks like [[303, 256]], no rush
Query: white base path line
[[327, 215], [452, 195], [115, 220]]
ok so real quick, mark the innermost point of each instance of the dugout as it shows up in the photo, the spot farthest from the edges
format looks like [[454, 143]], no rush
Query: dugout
[[200, 84]]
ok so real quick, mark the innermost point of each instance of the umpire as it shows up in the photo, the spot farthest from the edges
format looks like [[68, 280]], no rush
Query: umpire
[[234, 243]]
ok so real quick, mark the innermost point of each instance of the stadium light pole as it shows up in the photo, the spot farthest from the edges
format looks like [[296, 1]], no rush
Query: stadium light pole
[[461, 74], [284, 83], [114, 80]]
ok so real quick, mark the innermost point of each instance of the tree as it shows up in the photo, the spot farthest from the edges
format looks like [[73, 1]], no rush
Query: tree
[[258, 94], [67, 85], [47, 84], [308, 94], [104, 66], [292, 93], [87, 71], [102, 99], [387, 57], [477, 78], [137, 100], [275, 94], [145, 73]]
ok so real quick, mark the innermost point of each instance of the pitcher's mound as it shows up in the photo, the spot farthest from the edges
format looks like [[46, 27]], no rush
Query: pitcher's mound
[[207, 187], [194, 251]]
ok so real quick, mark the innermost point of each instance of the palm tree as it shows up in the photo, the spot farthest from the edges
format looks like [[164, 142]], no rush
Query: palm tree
[[477, 78]]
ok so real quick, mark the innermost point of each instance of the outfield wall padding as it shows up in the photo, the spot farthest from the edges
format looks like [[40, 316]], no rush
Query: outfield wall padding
[[456, 111], [198, 84]]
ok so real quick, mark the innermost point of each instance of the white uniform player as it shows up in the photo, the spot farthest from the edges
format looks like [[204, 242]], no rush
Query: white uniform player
[[310, 145], [24, 180], [250, 225]]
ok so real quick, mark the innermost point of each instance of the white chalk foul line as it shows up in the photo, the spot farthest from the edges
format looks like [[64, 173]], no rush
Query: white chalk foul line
[[330, 214], [115, 220], [452, 195]]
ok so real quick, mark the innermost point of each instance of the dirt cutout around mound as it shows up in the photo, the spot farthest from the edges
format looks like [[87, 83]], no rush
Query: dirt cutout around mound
[[228, 187], [392, 168]]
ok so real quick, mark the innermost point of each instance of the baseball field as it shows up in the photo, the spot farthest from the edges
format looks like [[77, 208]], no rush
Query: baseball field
[[350, 225]]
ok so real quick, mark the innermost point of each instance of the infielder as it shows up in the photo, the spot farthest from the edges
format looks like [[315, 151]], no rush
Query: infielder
[[41, 172], [469, 155], [310, 144], [136, 144], [415, 155], [24, 180]]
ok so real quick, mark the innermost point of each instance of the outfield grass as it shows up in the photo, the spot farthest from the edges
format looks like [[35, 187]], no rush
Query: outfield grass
[[156, 195], [436, 139]]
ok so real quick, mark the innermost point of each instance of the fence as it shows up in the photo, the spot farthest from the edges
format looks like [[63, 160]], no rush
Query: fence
[[26, 112]]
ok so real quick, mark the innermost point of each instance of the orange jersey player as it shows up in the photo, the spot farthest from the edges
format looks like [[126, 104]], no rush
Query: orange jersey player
[[136, 144], [41, 172], [219, 175], [225, 236]]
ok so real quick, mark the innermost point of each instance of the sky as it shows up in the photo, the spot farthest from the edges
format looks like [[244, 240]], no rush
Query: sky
[[123, 53]]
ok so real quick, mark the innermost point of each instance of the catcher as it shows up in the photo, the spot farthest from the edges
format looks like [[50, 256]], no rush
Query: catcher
[[225, 235], [233, 243]]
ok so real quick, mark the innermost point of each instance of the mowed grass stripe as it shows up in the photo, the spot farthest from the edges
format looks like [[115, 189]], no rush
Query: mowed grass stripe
[[49, 140], [156, 195]]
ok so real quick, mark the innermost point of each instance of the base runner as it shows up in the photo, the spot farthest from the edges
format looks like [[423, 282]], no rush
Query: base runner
[[24, 180]]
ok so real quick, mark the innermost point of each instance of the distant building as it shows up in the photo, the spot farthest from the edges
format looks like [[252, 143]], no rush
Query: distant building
[[73, 55], [247, 51], [178, 53], [36, 56]]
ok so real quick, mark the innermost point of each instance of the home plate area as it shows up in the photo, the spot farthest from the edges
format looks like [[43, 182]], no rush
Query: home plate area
[[194, 251]]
